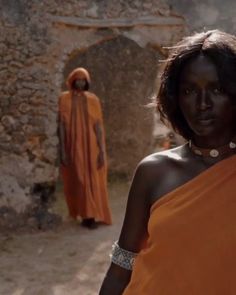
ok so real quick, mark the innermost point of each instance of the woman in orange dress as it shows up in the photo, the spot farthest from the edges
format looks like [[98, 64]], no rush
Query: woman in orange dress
[[83, 154], [179, 231]]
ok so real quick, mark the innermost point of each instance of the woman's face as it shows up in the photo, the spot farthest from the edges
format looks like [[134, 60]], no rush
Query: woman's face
[[79, 84], [206, 107]]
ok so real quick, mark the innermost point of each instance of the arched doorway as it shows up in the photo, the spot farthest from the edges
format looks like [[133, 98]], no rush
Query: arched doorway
[[123, 76]]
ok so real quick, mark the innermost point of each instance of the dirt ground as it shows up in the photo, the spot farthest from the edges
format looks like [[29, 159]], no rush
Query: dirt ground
[[68, 261]]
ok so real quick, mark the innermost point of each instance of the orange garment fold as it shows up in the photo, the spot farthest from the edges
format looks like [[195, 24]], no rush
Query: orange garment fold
[[191, 248], [85, 186]]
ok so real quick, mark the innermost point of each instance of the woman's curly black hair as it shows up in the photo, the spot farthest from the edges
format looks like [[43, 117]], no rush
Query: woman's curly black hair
[[218, 46]]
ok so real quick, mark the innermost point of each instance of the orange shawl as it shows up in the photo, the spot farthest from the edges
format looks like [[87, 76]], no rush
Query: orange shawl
[[191, 249], [85, 186]]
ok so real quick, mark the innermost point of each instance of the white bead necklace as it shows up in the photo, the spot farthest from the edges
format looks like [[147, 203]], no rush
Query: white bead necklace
[[214, 153]]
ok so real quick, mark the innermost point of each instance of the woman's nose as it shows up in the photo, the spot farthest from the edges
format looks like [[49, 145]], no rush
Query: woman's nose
[[204, 100]]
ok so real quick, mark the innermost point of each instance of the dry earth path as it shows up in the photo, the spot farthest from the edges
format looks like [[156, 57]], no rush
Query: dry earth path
[[68, 261]]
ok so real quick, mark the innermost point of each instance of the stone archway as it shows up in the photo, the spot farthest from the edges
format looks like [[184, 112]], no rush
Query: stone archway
[[123, 76]]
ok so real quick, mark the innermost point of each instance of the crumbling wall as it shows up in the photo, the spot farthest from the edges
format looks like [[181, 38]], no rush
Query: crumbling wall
[[28, 112], [38, 41], [206, 14]]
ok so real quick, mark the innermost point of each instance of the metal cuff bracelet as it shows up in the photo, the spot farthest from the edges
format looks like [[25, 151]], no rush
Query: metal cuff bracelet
[[122, 257]]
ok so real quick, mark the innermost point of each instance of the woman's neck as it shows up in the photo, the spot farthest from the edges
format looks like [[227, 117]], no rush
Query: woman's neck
[[213, 142]]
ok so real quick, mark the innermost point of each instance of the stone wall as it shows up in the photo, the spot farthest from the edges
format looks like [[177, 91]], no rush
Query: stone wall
[[28, 113], [119, 41], [206, 14]]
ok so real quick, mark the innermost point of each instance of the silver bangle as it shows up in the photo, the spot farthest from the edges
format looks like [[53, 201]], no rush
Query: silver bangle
[[122, 257]]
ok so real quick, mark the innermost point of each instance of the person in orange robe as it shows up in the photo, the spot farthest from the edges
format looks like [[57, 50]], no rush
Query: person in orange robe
[[179, 231], [83, 154]]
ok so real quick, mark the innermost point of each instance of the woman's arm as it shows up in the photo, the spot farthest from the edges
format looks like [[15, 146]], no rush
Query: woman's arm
[[134, 230]]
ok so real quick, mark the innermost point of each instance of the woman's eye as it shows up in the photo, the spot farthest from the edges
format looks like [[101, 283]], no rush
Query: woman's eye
[[188, 91], [217, 90]]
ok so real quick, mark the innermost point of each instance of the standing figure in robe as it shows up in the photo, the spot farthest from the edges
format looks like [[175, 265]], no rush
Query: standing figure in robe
[[83, 152], [179, 231]]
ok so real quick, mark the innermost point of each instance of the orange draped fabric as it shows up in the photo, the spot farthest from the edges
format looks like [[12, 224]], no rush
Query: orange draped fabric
[[191, 249], [85, 186]]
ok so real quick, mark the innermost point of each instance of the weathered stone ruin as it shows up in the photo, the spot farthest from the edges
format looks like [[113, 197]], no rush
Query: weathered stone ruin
[[120, 43]]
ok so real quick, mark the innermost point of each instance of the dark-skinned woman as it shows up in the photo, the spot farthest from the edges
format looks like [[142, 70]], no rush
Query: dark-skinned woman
[[179, 231], [83, 153]]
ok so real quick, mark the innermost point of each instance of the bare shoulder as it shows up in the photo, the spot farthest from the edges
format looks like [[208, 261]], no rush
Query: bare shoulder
[[163, 161], [161, 172]]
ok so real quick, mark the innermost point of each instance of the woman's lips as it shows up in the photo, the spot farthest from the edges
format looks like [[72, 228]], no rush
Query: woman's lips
[[205, 121]]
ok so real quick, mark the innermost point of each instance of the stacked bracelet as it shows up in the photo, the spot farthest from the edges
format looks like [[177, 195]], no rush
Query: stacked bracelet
[[122, 257]]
